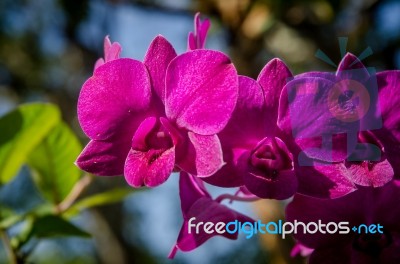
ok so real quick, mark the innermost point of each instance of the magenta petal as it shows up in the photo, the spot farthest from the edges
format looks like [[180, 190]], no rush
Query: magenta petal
[[197, 203], [299, 249], [152, 156], [270, 172], [106, 46], [150, 168], [203, 155], [208, 153], [371, 174], [243, 131], [282, 188], [231, 174], [139, 139], [389, 100], [98, 63], [327, 182], [191, 43], [157, 59], [113, 53], [104, 158], [246, 126], [201, 91], [207, 210], [316, 74], [114, 99], [307, 112], [352, 68], [191, 189], [272, 78], [202, 32], [197, 39]]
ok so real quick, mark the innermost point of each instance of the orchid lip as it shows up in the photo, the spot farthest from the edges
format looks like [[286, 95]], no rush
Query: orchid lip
[[155, 139], [268, 158]]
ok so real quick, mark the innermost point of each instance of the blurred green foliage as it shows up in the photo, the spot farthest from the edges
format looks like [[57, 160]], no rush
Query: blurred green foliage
[[34, 135]]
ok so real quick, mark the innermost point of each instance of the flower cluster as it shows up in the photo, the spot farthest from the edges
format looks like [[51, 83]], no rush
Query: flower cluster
[[327, 139]]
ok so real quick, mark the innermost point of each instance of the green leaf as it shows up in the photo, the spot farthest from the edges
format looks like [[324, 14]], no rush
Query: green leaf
[[54, 226], [21, 131], [53, 163], [108, 197]]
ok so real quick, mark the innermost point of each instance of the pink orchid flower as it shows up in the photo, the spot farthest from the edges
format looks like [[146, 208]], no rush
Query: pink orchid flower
[[255, 155], [147, 119], [356, 154]]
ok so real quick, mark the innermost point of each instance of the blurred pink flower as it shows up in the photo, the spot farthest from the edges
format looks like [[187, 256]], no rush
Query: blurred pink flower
[[197, 202]]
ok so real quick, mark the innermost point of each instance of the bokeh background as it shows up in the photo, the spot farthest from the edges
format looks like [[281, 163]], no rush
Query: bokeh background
[[48, 49]]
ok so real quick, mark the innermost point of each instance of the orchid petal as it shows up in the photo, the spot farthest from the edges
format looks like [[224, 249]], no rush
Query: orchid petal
[[114, 99], [207, 210], [307, 112], [191, 42], [324, 181], [375, 175], [112, 51], [202, 156], [197, 203], [105, 158], [201, 91], [244, 129], [231, 174], [283, 188], [197, 39], [98, 63], [270, 172], [272, 78], [352, 68], [191, 189], [389, 100], [157, 59], [150, 168], [316, 74], [152, 157]]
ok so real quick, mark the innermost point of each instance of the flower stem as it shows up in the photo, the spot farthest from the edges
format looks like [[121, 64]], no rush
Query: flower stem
[[79, 187], [8, 248]]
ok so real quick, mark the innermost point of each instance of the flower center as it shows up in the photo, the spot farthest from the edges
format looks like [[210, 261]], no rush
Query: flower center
[[152, 137], [159, 139], [269, 158]]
